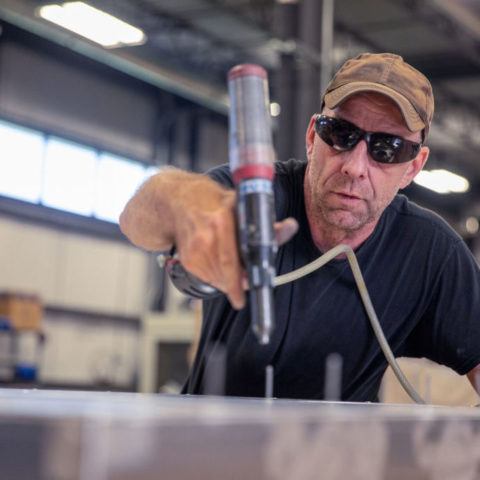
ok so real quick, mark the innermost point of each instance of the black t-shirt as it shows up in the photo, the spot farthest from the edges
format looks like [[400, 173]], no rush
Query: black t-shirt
[[423, 282]]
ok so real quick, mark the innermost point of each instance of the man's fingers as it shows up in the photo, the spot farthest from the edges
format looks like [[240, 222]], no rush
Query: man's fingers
[[231, 271], [212, 253], [285, 230], [229, 263], [245, 285]]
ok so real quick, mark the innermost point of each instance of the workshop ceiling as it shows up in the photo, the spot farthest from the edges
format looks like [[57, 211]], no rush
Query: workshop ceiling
[[193, 43]]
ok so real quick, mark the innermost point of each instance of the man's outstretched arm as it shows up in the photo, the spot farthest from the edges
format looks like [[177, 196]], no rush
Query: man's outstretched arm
[[197, 215]]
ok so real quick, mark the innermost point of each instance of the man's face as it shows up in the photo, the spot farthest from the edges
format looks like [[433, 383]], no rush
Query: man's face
[[350, 190]]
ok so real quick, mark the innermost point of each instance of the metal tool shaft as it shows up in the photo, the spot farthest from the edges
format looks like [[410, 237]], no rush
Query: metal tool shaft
[[251, 163]]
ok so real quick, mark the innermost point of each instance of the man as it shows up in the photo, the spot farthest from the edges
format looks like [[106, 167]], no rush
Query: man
[[422, 279]]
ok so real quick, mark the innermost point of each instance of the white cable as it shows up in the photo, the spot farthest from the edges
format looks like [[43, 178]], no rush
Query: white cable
[[362, 288]]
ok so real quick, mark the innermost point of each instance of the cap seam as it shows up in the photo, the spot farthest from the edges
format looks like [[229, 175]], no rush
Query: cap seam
[[387, 70]]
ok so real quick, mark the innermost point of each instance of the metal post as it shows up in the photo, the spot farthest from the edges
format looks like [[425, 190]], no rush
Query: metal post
[[308, 70], [285, 89], [327, 43]]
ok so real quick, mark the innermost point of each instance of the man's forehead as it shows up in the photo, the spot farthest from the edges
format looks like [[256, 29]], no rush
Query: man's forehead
[[359, 105], [376, 103]]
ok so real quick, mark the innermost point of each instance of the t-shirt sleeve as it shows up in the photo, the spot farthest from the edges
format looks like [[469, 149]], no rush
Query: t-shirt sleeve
[[288, 185], [449, 332], [221, 175]]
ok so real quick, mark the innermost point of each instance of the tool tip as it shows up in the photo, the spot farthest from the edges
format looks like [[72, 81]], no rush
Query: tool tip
[[264, 338]]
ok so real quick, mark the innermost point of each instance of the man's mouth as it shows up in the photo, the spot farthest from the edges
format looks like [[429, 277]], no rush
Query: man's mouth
[[347, 195]]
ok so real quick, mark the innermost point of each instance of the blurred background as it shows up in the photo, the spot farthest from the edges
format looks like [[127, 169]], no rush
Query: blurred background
[[87, 116]]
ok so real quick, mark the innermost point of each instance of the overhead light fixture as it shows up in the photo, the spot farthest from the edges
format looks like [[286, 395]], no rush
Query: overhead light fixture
[[472, 225], [442, 181], [275, 109], [91, 23]]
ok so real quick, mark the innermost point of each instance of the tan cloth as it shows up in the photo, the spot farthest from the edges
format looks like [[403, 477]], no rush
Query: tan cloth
[[435, 383]]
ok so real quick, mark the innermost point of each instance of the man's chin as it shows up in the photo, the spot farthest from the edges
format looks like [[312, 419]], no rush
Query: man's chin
[[345, 220]]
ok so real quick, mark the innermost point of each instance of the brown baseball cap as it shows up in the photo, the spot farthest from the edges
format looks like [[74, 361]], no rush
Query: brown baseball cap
[[389, 75]]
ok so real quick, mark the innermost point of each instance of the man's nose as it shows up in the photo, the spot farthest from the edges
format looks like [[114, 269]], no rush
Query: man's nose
[[355, 163]]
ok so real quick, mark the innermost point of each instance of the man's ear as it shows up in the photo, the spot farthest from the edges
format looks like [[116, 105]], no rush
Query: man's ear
[[310, 136], [415, 166]]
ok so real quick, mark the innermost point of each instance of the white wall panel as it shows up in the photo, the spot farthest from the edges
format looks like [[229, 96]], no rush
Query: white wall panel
[[74, 271], [91, 273], [29, 258], [137, 288], [85, 352]]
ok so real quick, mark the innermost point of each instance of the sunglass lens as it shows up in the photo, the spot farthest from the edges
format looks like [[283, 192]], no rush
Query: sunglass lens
[[344, 135], [383, 149], [389, 149]]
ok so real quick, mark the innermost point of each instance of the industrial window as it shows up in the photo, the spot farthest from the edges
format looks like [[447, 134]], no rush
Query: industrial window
[[69, 177], [117, 178], [53, 172], [21, 158]]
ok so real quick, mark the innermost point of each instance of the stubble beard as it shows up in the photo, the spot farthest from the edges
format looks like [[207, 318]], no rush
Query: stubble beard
[[342, 218]]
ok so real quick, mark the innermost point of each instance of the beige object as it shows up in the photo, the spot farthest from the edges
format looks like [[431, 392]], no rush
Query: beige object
[[435, 383], [23, 310]]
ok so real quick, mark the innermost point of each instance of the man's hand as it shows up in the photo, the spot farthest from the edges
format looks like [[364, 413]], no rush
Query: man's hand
[[207, 245], [285, 230], [197, 215]]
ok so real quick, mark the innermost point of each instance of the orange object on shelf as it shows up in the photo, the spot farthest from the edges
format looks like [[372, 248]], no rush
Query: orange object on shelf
[[25, 311]]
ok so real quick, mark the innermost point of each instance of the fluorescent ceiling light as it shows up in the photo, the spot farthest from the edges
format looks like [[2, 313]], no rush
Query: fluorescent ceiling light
[[442, 181], [89, 22], [275, 109], [472, 225]]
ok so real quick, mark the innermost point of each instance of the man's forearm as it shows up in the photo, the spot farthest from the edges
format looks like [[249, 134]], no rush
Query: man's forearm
[[140, 221], [150, 217], [197, 215]]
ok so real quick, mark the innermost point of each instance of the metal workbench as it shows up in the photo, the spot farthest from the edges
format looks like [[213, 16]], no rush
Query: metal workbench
[[61, 435]]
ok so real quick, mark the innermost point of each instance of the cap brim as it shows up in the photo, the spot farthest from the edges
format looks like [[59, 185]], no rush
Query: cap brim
[[339, 95]]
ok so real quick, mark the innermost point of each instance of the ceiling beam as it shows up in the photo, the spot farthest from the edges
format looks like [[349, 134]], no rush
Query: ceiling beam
[[21, 14]]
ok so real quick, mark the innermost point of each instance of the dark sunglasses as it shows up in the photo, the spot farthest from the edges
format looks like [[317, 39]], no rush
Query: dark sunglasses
[[382, 147]]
